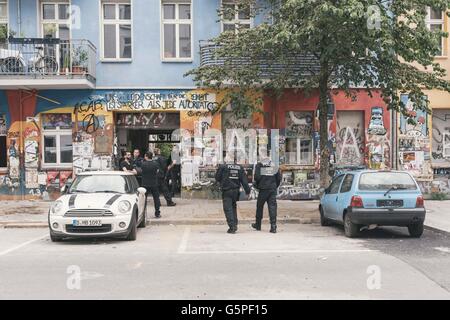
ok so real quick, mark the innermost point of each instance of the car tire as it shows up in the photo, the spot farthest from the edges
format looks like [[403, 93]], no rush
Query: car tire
[[144, 219], [416, 230], [132, 235], [324, 222], [351, 229], [55, 238]]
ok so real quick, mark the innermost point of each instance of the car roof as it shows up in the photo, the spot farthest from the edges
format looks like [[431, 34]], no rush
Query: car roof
[[105, 173], [372, 171]]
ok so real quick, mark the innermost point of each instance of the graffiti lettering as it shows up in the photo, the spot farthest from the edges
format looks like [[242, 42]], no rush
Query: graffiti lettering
[[91, 123]]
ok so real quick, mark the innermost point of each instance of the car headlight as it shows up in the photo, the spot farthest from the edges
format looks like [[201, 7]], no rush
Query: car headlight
[[124, 206], [56, 207]]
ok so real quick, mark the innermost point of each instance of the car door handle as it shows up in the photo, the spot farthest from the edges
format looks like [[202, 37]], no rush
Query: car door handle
[[337, 198]]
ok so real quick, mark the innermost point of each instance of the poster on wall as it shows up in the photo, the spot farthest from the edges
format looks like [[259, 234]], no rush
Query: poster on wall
[[56, 120], [31, 179], [31, 153], [3, 130]]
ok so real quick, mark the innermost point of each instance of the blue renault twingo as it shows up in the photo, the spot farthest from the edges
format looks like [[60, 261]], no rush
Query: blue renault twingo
[[366, 198]]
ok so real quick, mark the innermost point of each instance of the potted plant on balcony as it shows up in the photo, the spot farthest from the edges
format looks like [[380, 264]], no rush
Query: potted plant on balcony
[[80, 59]]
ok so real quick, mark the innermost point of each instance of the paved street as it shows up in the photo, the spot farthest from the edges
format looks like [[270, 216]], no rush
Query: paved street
[[203, 262]]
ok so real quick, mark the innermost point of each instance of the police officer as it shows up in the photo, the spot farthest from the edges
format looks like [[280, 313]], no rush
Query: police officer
[[149, 170], [267, 180], [162, 161], [231, 176], [137, 163]]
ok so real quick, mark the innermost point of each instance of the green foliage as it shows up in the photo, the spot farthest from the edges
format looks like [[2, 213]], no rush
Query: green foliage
[[439, 196], [366, 44], [166, 149]]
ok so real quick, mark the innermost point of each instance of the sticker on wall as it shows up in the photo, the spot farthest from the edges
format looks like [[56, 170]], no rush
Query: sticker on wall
[[31, 153], [31, 179], [3, 130]]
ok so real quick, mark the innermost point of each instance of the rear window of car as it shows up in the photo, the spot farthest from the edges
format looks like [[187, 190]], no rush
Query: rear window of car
[[386, 181]]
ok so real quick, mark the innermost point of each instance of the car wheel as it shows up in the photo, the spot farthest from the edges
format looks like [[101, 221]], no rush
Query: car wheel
[[132, 235], [323, 221], [144, 219], [55, 238], [416, 230], [351, 229]]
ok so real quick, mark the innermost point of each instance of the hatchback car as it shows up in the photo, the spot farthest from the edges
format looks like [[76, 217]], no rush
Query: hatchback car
[[99, 204], [366, 199]]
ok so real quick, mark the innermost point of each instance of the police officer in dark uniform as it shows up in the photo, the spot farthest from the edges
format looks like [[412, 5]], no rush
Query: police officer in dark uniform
[[231, 176], [162, 161], [149, 170], [267, 180]]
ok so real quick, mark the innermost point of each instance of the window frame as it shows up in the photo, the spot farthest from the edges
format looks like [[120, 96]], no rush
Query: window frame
[[57, 132], [177, 22], [116, 22], [440, 22], [56, 20], [236, 21]]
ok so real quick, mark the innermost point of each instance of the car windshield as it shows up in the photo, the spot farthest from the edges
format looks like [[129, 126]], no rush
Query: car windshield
[[386, 180], [99, 184]]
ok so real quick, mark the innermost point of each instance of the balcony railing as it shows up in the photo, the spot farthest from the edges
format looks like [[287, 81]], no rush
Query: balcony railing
[[43, 58], [300, 64]]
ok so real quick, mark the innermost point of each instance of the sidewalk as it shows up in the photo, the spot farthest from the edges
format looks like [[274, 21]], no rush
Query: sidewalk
[[30, 214]]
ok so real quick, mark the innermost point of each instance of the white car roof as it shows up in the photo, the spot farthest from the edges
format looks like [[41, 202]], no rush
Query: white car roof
[[105, 173]]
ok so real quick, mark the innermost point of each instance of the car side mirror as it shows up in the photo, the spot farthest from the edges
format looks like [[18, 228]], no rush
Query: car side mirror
[[322, 190], [142, 190], [64, 189]]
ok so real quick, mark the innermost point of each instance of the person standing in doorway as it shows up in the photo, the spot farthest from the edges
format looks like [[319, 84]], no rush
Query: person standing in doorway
[[137, 163], [231, 176], [267, 180], [149, 170], [162, 162]]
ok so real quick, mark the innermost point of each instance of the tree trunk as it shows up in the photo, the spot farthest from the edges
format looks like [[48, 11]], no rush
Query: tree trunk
[[323, 121]]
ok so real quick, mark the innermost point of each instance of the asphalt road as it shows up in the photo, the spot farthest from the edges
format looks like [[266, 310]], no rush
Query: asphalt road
[[203, 262]]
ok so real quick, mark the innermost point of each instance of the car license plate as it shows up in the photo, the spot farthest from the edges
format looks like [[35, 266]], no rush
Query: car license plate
[[390, 203], [87, 223]]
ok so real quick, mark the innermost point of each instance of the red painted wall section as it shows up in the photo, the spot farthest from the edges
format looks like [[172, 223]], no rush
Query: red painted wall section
[[28, 101], [363, 102]]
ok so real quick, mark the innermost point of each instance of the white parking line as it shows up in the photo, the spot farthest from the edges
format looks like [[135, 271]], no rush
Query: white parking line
[[274, 251], [184, 240], [3, 253]]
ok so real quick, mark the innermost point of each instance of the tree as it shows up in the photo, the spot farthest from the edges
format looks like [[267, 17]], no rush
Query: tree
[[379, 46]]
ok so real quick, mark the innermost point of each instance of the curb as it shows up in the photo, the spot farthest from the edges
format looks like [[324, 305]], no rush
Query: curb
[[162, 222], [437, 230]]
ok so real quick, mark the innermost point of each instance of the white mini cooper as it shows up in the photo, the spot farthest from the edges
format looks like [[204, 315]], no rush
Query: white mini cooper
[[99, 204]]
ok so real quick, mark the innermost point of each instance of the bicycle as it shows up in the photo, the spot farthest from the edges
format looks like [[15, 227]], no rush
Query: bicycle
[[13, 61]]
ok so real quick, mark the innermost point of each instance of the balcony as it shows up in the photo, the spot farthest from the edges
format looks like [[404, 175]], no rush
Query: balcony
[[46, 63], [300, 64]]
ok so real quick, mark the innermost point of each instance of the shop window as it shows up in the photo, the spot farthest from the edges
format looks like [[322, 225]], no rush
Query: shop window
[[176, 28], [435, 22], [57, 140], [116, 30], [235, 16], [299, 140]]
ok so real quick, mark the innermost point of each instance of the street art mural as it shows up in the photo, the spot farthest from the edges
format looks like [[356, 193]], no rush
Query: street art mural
[[350, 137], [440, 155], [414, 142]]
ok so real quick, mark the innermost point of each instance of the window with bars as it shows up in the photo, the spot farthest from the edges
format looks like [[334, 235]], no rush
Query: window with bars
[[176, 30]]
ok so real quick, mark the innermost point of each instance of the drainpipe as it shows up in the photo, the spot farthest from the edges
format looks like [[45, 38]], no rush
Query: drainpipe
[[19, 16], [394, 144]]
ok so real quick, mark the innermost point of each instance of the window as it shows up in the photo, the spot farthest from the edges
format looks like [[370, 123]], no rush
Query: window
[[57, 140], [235, 16], [116, 31], [299, 142], [176, 30], [347, 184], [4, 32], [334, 187], [380, 181], [55, 20], [435, 22], [3, 134]]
